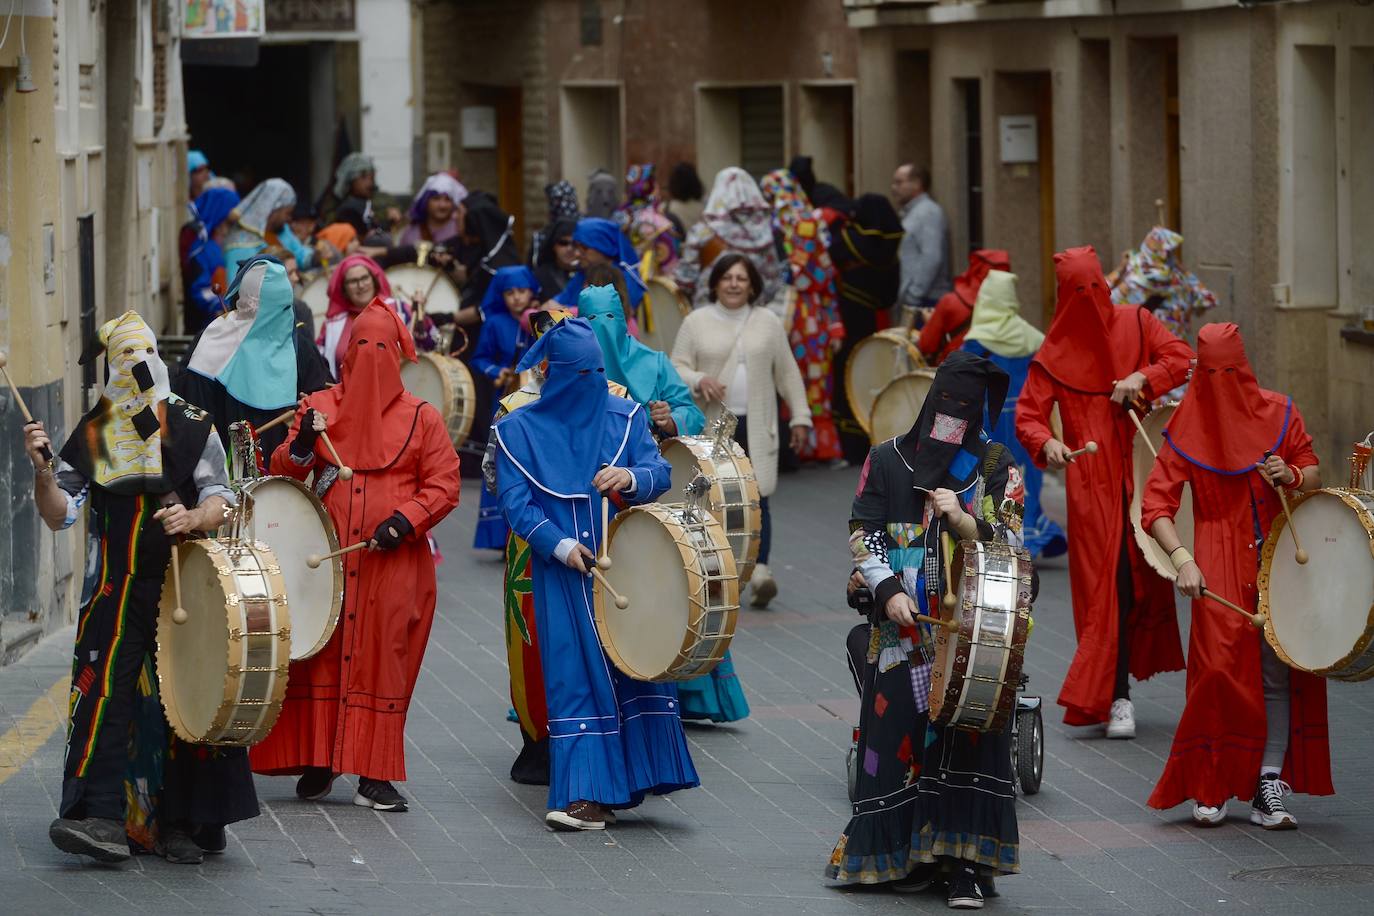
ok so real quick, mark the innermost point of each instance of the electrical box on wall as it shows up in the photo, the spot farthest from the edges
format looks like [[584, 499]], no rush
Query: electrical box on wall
[[1019, 139]]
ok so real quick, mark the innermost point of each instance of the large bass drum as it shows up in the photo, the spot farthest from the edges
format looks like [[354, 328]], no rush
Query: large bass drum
[[1142, 462], [875, 361], [447, 384], [977, 668], [222, 674], [441, 295], [899, 403], [733, 497], [675, 566], [1321, 613], [284, 514], [664, 310]]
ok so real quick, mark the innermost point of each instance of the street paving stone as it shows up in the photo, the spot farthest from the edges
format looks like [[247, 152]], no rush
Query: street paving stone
[[754, 839]]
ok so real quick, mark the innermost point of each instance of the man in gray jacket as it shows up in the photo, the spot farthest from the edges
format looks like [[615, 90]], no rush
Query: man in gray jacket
[[925, 246]]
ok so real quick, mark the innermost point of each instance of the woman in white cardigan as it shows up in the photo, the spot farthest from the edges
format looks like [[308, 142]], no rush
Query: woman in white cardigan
[[735, 355]]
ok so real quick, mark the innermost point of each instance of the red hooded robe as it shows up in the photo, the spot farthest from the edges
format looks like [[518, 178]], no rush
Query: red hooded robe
[[346, 707], [944, 332], [1219, 743], [1091, 345]]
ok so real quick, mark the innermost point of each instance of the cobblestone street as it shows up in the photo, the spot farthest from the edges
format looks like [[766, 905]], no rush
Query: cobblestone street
[[753, 839]]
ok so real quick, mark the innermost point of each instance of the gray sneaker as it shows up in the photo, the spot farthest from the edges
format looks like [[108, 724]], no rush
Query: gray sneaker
[[103, 839], [176, 846]]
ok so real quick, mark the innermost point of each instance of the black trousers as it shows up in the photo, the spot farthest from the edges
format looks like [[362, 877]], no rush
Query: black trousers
[[1125, 598]]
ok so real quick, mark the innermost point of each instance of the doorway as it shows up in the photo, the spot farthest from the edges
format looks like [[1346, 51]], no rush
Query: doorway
[[589, 130], [1023, 220], [740, 125], [827, 132]]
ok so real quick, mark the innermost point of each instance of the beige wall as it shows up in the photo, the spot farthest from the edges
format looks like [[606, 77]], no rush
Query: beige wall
[[1275, 217]]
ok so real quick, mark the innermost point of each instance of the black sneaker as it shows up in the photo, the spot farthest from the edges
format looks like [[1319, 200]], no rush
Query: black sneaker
[[103, 839], [918, 879], [210, 837], [964, 893], [315, 783], [379, 795], [176, 846], [1268, 810]]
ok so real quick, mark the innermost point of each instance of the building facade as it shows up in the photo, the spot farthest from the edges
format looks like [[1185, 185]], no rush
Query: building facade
[[520, 93], [92, 183], [1048, 125]]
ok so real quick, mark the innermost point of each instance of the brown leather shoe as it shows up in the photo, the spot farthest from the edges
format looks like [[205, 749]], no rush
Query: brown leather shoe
[[580, 815]]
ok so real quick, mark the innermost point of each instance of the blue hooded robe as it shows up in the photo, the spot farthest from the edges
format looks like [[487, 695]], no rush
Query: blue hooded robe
[[604, 235], [612, 740]]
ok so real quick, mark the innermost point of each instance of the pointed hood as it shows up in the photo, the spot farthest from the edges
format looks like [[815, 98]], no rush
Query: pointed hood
[[997, 323], [369, 387], [1090, 345], [1225, 395], [944, 446]]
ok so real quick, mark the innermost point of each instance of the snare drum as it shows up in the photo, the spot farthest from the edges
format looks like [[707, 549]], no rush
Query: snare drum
[[441, 295], [899, 403], [284, 514], [734, 495], [875, 361], [1142, 461], [222, 674], [447, 384], [666, 307], [977, 668], [1321, 613], [674, 565], [315, 294]]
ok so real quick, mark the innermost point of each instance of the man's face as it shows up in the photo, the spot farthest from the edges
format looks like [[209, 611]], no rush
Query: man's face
[[904, 185], [199, 178], [363, 186]]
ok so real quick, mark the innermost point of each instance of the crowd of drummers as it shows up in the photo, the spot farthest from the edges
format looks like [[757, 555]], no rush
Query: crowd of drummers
[[649, 365]]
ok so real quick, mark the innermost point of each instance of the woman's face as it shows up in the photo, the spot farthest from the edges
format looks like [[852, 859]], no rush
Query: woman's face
[[518, 300], [564, 253], [587, 257], [733, 289], [439, 208], [359, 286], [279, 217]]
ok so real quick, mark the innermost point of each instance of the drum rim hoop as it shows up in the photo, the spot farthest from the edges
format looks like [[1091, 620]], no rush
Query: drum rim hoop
[[921, 372], [862, 414], [701, 448], [1365, 515]]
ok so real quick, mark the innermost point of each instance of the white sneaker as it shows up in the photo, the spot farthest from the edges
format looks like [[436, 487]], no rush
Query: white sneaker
[[1268, 810], [1207, 816], [1122, 723], [765, 588]]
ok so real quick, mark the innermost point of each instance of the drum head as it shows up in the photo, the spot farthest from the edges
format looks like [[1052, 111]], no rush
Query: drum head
[[409, 279], [425, 379], [1143, 461], [316, 296], [287, 517], [899, 403], [875, 361], [1319, 612], [667, 307], [193, 658], [686, 464], [648, 569]]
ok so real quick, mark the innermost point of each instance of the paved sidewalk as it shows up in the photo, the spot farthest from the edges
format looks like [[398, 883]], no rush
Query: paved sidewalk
[[754, 839]]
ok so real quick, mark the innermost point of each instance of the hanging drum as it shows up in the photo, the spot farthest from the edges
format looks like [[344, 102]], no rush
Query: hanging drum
[[222, 673], [875, 361], [447, 384], [733, 494], [439, 290], [897, 406], [662, 317], [1142, 461]]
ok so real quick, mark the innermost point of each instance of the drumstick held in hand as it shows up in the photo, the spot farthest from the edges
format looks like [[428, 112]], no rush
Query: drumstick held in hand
[[345, 472], [1298, 553], [604, 561], [1089, 449], [1256, 619], [315, 559], [1140, 427], [284, 417], [179, 615], [620, 600], [19, 399], [949, 601]]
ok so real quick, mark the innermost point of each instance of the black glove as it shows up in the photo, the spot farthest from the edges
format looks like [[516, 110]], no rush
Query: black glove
[[303, 446], [391, 532]]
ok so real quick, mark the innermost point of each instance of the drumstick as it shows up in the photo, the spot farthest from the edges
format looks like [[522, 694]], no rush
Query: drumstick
[[19, 399], [938, 621], [1140, 427], [1089, 449], [1298, 553], [949, 601], [620, 600], [179, 614], [314, 560], [1256, 619], [345, 472], [284, 417], [604, 561]]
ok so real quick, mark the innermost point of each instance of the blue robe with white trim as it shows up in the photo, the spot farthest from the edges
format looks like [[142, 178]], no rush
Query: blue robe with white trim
[[612, 740]]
